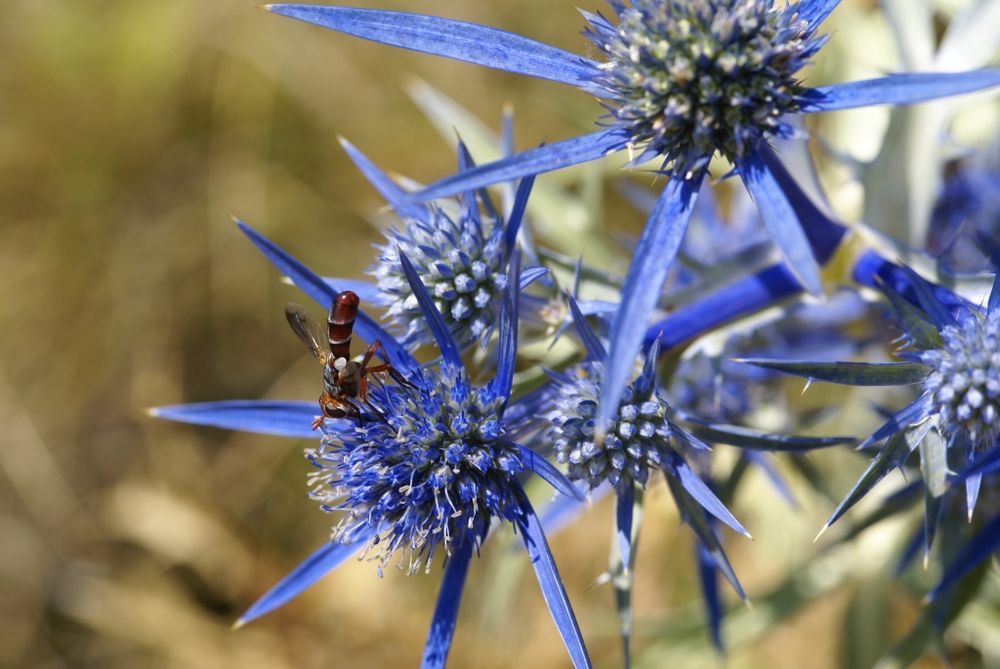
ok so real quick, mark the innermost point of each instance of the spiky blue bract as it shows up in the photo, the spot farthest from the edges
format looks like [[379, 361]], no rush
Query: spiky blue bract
[[275, 417], [507, 333], [822, 231], [552, 588], [657, 247], [312, 569], [780, 219], [591, 343], [386, 187], [319, 290], [695, 516], [899, 89], [814, 12], [544, 158], [873, 270], [700, 491], [892, 456], [624, 515], [458, 40], [850, 373], [689, 78], [365, 290], [435, 321]]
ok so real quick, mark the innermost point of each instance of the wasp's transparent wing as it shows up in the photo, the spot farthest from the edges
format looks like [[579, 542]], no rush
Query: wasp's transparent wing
[[309, 331]]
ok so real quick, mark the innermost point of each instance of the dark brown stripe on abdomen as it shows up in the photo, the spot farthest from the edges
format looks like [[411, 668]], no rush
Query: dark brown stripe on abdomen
[[341, 323]]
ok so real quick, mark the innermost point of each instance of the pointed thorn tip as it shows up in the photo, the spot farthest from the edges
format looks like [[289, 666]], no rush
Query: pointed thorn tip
[[821, 532]]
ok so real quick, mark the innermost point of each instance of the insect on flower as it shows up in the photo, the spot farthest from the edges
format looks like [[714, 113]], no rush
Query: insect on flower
[[344, 379]]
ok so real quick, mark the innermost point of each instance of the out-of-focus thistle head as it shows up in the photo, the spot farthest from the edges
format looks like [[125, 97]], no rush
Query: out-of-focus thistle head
[[689, 78], [461, 258], [714, 388], [969, 201]]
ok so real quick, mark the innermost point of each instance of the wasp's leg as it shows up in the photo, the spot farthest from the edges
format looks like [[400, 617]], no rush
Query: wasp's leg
[[387, 368], [333, 408]]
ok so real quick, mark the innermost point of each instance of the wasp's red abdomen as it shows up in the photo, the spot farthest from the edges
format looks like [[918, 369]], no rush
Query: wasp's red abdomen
[[341, 323]]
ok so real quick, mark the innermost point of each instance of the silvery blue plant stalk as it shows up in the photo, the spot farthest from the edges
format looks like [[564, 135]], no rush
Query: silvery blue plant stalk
[[681, 80], [426, 469], [951, 355], [648, 436]]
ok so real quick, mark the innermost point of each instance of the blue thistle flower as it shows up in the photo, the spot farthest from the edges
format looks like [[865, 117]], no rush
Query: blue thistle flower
[[427, 466], [638, 441], [459, 248], [687, 79], [646, 436], [952, 356], [964, 383], [462, 262], [709, 75]]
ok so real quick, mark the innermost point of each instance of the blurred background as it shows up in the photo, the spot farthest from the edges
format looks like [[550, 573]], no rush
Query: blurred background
[[130, 133]]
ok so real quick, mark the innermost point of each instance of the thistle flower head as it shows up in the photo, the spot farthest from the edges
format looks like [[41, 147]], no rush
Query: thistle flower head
[[689, 78], [638, 439], [964, 385], [461, 258], [426, 467]]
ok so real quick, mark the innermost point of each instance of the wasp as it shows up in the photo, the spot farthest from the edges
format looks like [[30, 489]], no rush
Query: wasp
[[344, 379]]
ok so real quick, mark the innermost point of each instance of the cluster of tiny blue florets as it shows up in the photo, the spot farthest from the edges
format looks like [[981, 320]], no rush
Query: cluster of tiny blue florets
[[426, 466], [689, 78], [965, 382], [462, 260], [638, 439]]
